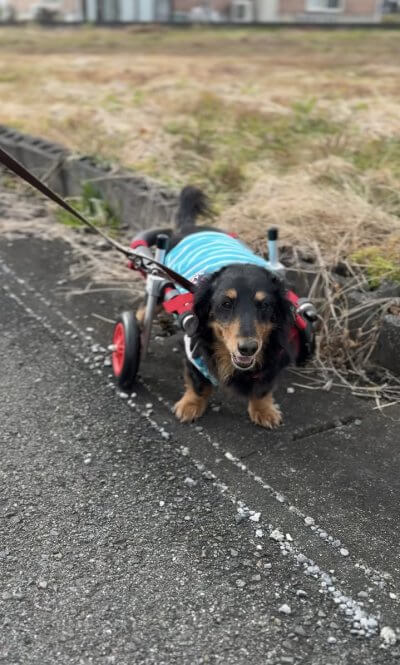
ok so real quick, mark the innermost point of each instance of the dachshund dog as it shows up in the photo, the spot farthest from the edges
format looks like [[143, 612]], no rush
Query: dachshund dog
[[244, 317]]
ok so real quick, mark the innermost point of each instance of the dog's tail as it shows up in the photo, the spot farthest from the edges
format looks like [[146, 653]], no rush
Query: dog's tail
[[192, 203]]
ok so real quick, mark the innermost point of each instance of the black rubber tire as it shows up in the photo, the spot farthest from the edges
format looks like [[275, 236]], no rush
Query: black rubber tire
[[131, 358]]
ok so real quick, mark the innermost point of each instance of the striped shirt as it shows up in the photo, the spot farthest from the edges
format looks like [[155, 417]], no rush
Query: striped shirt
[[206, 252]]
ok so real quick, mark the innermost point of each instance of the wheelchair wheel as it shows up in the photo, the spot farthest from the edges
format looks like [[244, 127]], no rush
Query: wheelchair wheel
[[126, 354]]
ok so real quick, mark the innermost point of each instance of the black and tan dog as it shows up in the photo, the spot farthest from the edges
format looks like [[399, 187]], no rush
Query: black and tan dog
[[244, 319]]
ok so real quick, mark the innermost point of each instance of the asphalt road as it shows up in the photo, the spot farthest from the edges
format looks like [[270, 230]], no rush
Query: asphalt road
[[128, 538]]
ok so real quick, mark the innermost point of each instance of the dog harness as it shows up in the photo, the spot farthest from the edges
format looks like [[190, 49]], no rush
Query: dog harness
[[198, 361]]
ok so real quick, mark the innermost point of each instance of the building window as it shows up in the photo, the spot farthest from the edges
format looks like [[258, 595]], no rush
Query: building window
[[324, 5], [242, 11]]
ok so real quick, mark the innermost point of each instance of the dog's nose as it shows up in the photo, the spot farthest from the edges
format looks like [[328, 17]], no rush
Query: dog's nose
[[248, 347]]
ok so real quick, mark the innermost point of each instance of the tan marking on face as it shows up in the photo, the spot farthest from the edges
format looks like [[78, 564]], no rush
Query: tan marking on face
[[260, 296], [231, 293], [227, 341], [263, 411], [225, 345], [223, 361], [263, 332], [227, 333], [192, 405]]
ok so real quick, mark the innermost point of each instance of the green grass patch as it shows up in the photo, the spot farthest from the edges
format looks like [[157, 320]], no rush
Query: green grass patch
[[378, 265], [113, 103], [216, 141], [92, 206], [9, 77], [138, 98], [252, 134], [378, 154]]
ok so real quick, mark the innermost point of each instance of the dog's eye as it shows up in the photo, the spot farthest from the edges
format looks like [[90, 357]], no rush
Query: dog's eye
[[263, 305], [227, 304]]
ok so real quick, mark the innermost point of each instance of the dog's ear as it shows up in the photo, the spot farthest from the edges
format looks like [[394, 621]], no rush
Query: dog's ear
[[282, 309], [202, 298], [283, 315]]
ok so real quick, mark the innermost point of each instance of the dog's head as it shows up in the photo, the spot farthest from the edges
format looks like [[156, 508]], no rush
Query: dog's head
[[241, 309]]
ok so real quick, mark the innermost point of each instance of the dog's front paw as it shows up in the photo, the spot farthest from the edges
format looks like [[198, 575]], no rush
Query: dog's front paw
[[140, 314], [265, 412], [190, 407]]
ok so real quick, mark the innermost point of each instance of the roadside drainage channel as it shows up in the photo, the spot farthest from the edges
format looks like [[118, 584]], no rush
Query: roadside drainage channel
[[137, 201], [141, 203]]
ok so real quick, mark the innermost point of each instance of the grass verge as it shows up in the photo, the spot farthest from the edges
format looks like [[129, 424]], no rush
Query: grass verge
[[284, 127]]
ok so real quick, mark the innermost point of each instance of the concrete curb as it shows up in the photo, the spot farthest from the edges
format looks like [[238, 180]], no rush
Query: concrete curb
[[141, 203], [137, 201], [387, 349]]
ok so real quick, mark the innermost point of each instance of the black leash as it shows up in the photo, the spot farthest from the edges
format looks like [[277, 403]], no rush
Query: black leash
[[141, 262]]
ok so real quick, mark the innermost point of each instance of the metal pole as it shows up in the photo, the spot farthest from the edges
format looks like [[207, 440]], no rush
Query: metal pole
[[273, 252], [153, 288]]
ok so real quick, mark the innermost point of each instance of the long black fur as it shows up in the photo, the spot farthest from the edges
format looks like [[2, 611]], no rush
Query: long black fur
[[192, 204], [277, 353]]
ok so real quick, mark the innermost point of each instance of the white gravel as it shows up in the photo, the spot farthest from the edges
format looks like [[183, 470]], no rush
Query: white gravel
[[301, 593], [190, 482], [285, 609], [388, 636], [277, 535]]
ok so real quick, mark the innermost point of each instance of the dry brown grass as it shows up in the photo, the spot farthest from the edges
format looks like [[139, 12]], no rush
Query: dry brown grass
[[293, 128], [339, 219]]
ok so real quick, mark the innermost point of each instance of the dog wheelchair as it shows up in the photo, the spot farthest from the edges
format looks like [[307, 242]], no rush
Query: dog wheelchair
[[130, 341], [146, 254]]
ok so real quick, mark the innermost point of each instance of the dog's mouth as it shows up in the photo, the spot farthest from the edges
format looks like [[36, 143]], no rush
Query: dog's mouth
[[243, 362]]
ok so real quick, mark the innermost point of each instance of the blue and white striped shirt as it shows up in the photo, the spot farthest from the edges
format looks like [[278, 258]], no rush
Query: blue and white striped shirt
[[206, 252]]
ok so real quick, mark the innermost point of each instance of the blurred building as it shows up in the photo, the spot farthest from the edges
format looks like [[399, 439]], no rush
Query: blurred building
[[105, 11], [322, 11], [391, 6], [196, 11], [96, 11], [50, 10], [291, 11]]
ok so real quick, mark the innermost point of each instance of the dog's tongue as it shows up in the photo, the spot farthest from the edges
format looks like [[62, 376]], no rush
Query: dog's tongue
[[243, 360]]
